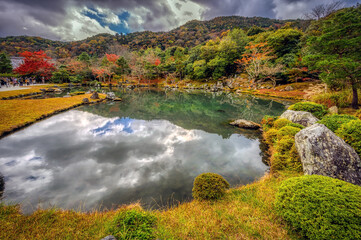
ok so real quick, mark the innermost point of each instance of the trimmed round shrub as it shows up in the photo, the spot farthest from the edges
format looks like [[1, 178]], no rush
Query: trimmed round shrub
[[132, 224], [318, 110], [286, 155], [282, 122], [334, 122], [209, 186], [287, 131], [321, 207], [351, 133]]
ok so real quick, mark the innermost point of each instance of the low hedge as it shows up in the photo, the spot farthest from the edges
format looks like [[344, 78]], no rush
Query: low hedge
[[334, 122], [351, 133], [321, 207], [318, 110]]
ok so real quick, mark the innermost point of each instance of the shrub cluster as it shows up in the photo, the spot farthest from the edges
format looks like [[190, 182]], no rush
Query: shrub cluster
[[318, 110], [267, 122], [321, 207], [334, 122], [209, 186], [281, 138], [132, 224], [350, 132]]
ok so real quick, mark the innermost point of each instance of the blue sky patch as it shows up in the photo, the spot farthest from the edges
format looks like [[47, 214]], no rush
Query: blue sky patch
[[101, 19]]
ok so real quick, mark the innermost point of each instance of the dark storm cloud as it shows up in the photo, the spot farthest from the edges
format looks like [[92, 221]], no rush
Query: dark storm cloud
[[64, 19]]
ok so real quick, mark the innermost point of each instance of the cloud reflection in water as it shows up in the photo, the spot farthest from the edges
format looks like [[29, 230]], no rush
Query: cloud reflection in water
[[79, 158]]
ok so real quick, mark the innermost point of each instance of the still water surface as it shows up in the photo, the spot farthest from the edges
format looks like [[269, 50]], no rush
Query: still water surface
[[149, 147]]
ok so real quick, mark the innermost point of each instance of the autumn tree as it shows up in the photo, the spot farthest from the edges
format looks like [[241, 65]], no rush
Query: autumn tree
[[5, 64], [257, 63], [333, 47], [35, 63]]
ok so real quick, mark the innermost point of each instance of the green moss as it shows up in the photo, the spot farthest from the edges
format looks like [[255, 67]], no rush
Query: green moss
[[334, 122], [271, 136], [287, 131], [321, 207], [318, 110], [351, 133], [132, 224], [209, 186], [286, 156]]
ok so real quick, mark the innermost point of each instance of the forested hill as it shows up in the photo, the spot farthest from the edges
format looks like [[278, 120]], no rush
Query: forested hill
[[188, 35]]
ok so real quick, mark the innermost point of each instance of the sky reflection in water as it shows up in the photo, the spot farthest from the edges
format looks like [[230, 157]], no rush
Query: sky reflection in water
[[78, 158]]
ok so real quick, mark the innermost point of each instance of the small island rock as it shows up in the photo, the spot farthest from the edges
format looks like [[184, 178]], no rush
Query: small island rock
[[241, 123], [95, 95], [304, 118], [324, 153], [85, 100]]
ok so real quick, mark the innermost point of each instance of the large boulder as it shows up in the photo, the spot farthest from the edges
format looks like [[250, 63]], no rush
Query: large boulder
[[324, 153], [241, 123], [304, 118]]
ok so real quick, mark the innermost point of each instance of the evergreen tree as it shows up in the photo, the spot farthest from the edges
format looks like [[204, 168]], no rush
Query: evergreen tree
[[5, 64], [334, 48]]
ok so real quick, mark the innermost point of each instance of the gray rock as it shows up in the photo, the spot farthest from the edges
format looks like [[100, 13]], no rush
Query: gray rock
[[245, 124], [333, 110], [304, 118], [324, 153], [289, 88], [111, 95], [66, 96], [85, 100], [110, 237], [95, 95]]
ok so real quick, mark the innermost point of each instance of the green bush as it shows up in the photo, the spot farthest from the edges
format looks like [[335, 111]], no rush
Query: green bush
[[318, 110], [209, 186], [132, 224], [267, 122], [287, 131], [286, 155], [271, 136], [321, 207], [334, 122], [282, 122], [351, 133]]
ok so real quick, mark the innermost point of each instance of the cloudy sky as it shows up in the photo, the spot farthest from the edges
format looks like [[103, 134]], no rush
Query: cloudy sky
[[77, 19]]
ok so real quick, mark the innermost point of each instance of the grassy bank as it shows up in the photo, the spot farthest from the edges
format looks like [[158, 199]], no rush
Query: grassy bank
[[244, 213], [19, 113]]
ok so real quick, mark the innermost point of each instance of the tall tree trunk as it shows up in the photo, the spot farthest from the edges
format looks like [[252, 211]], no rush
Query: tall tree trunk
[[354, 96]]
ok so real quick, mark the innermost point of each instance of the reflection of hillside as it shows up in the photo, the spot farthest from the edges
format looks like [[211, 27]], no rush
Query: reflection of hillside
[[207, 112]]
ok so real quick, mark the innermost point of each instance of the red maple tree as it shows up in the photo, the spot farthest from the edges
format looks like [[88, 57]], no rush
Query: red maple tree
[[35, 63], [112, 57]]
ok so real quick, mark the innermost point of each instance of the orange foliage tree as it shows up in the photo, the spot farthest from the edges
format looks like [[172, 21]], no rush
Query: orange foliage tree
[[35, 63], [256, 62]]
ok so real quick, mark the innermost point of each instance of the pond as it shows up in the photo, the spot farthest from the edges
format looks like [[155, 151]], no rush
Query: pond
[[149, 147]]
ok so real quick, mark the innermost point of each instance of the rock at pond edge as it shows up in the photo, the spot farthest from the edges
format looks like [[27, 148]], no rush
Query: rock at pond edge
[[241, 123], [323, 153], [304, 118]]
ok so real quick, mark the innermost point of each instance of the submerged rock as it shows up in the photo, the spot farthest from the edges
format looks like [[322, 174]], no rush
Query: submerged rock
[[241, 123], [304, 118], [324, 153]]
